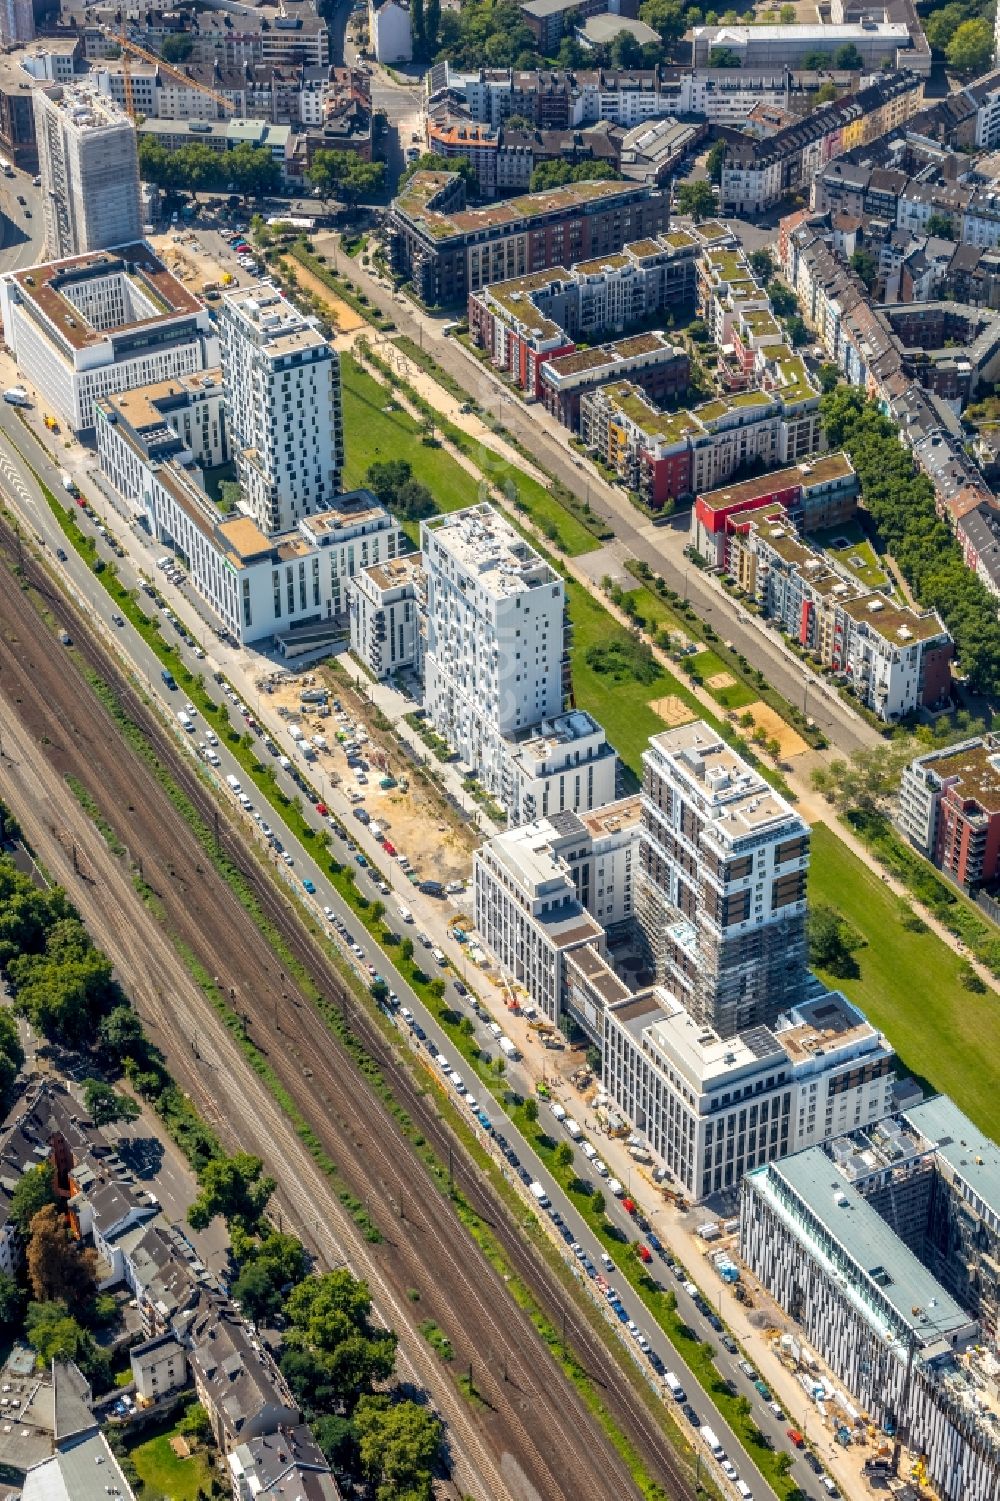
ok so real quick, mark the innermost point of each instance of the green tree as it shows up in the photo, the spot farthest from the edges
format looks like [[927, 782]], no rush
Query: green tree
[[971, 48], [783, 300], [11, 1300], [431, 162], [723, 57], [828, 376], [848, 58], [105, 1105], [120, 1035], [417, 30], [432, 26], [253, 169], [66, 990], [940, 26], [329, 1321], [626, 51], [715, 161], [531, 1109], [815, 62], [564, 1154], [696, 199], [762, 265], [864, 264], [233, 1187], [869, 781], [826, 93], [406, 950], [786, 15], [597, 1202], [342, 174], [399, 1444], [11, 1055], [798, 333], [54, 1334], [941, 226], [665, 16], [33, 1191], [177, 47], [832, 942]]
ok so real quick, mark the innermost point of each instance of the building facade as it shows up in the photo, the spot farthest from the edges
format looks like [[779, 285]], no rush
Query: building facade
[[949, 809], [89, 165], [282, 381], [95, 324], [386, 602]]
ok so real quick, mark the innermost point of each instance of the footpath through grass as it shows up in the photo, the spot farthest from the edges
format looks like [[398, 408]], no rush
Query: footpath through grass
[[909, 986]]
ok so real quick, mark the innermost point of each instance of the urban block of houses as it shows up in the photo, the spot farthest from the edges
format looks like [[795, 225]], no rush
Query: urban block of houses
[[449, 251], [192, 1332], [104, 322], [949, 809], [895, 659], [881, 1244], [819, 493], [676, 940]]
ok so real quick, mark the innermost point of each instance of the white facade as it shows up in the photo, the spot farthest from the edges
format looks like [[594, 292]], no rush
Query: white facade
[[89, 164], [550, 888], [282, 383], [260, 586], [385, 602], [714, 1108], [564, 763], [81, 329], [495, 635], [389, 32]]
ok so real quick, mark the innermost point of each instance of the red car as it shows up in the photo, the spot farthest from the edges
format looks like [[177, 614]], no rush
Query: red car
[[796, 1437], [645, 1254], [390, 849], [629, 1206], [322, 810]]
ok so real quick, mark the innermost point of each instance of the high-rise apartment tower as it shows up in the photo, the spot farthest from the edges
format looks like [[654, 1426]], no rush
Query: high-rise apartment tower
[[282, 382], [89, 165]]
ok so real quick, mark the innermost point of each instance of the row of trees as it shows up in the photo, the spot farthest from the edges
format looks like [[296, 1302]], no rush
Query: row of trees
[[344, 175], [196, 168], [393, 484], [901, 503], [555, 174]]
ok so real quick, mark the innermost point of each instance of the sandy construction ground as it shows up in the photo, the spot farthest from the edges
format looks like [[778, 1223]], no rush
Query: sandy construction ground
[[791, 742], [720, 680]]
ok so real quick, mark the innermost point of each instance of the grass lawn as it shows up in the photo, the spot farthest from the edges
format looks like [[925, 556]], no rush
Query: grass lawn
[[654, 613], [909, 986], [372, 435], [623, 708], [736, 696], [858, 557], [165, 1476]]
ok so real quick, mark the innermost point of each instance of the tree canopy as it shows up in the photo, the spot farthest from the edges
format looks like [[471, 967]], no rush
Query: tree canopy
[[554, 174], [58, 1265], [832, 942], [394, 486], [233, 1187], [196, 168], [54, 1334], [696, 199], [901, 503], [330, 1322], [266, 1268], [32, 1192], [399, 1444], [430, 161], [105, 1105], [343, 174], [970, 49]]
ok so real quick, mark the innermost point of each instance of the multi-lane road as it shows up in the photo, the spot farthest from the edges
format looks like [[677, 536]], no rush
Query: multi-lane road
[[16, 478]]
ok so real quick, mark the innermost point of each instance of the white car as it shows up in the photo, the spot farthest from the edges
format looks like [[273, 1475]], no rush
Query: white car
[[211, 757], [328, 913], [728, 1469], [211, 738], [189, 708], [407, 1015], [287, 858]]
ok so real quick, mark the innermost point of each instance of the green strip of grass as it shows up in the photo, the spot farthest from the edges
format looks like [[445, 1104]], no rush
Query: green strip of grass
[[95, 815], [909, 986]]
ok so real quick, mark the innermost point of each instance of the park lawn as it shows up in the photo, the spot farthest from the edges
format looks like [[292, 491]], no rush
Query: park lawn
[[165, 1476], [372, 435], [736, 696], [909, 986], [622, 708], [653, 613]]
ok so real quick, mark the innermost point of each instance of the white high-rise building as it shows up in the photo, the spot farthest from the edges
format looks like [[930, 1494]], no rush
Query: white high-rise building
[[282, 383], [496, 669], [89, 166]]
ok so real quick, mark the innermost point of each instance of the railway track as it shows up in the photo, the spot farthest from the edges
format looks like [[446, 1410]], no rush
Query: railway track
[[536, 1429]]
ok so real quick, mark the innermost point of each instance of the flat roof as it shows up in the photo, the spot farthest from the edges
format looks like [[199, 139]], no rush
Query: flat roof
[[422, 186], [972, 1156], [486, 544], [737, 799], [614, 817], [976, 769], [822, 471], [43, 285], [896, 623], [847, 1236], [822, 1025]]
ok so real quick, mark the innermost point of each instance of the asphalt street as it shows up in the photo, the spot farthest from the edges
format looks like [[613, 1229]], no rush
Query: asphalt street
[[86, 588], [22, 226]]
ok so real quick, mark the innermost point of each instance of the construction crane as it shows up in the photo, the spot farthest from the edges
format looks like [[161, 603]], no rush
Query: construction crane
[[132, 49]]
